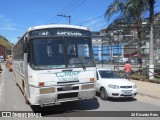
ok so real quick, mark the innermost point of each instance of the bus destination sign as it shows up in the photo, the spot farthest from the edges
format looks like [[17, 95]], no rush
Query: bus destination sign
[[59, 32], [69, 32]]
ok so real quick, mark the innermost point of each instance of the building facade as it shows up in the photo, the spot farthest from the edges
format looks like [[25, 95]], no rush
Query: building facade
[[2, 51], [104, 50]]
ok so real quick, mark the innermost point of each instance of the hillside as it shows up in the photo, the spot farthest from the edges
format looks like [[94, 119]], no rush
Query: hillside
[[6, 43]]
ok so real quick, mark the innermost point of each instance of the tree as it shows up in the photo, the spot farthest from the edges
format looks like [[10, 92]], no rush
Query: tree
[[129, 11], [4, 42]]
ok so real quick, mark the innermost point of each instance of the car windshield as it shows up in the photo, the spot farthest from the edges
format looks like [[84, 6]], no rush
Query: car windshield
[[109, 74]]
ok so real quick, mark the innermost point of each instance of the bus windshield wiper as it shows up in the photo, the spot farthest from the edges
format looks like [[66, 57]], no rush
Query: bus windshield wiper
[[82, 64]]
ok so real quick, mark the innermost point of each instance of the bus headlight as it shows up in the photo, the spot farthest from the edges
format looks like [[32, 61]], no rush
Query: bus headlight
[[88, 86], [47, 90]]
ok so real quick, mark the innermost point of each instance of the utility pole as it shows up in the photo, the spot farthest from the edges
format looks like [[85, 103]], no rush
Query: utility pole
[[151, 48], [102, 50], [68, 17]]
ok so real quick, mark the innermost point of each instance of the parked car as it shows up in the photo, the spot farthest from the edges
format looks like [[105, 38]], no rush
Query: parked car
[[111, 84], [157, 60], [0, 67], [146, 60], [122, 60], [1, 59]]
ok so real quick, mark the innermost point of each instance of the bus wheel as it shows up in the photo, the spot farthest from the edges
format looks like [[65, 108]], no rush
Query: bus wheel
[[15, 78], [24, 93], [26, 100]]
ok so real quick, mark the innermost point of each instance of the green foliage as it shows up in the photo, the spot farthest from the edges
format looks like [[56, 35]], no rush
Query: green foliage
[[158, 23], [5, 43], [129, 11]]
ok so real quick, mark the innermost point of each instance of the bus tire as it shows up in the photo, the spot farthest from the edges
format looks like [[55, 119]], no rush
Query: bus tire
[[15, 78], [26, 100], [24, 93]]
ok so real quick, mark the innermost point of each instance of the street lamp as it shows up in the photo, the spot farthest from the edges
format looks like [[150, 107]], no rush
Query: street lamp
[[68, 17]]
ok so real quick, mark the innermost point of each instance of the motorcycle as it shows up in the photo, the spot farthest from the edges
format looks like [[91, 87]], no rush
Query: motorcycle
[[10, 66]]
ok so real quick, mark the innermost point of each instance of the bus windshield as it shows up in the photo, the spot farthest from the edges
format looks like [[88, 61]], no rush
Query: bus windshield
[[69, 52]]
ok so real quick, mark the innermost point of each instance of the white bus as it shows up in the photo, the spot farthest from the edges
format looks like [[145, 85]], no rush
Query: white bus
[[54, 64]]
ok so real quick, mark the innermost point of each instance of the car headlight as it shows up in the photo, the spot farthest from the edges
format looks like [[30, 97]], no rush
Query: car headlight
[[134, 86], [113, 86]]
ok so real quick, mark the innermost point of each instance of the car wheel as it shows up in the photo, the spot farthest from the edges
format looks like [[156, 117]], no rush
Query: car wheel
[[103, 94]]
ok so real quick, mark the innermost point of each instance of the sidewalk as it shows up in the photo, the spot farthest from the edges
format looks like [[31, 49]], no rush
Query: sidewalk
[[148, 89]]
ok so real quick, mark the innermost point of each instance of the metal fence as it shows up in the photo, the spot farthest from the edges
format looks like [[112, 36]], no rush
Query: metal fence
[[119, 55]]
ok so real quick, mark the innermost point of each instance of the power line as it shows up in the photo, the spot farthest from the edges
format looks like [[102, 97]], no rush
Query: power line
[[69, 5], [97, 25], [98, 22], [68, 18], [72, 3], [90, 20], [104, 25], [66, 12], [77, 6]]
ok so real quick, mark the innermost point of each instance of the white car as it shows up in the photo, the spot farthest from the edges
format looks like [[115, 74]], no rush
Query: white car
[[0, 67], [111, 84]]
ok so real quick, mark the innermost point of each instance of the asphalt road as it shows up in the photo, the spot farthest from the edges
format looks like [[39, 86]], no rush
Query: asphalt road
[[11, 99]]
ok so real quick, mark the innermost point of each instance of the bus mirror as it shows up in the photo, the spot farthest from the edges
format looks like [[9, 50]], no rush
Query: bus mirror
[[25, 45]]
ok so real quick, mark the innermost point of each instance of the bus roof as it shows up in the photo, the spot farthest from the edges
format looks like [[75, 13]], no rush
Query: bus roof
[[57, 26]]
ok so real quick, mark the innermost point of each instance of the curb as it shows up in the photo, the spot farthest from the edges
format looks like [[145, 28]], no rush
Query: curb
[[142, 94], [150, 81]]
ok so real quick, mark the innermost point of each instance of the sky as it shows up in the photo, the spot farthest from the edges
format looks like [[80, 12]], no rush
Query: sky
[[16, 16]]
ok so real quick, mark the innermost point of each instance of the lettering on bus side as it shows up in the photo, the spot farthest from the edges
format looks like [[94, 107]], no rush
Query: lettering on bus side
[[67, 76]]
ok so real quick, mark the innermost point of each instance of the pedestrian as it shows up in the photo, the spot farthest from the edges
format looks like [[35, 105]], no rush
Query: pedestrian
[[127, 69]]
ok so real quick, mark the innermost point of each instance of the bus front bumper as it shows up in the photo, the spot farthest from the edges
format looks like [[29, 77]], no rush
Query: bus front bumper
[[59, 97]]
